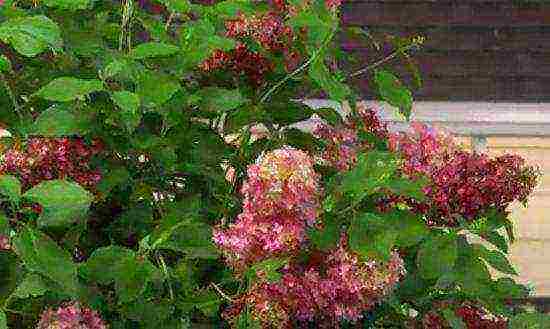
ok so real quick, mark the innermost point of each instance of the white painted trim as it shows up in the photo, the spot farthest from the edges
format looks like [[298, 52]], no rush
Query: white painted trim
[[466, 118]]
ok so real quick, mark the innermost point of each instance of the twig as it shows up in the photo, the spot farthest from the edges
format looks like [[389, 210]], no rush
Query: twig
[[223, 294], [382, 61], [299, 69], [169, 21]]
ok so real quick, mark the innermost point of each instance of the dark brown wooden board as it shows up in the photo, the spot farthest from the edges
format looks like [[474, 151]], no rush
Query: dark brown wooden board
[[486, 14]]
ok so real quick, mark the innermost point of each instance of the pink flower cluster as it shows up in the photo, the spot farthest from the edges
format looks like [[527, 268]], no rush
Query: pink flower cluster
[[462, 184], [343, 143], [71, 316], [52, 158], [281, 199], [4, 242], [341, 287], [473, 316]]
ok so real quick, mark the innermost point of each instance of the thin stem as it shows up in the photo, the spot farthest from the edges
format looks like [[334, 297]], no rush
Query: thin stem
[[382, 61], [299, 69], [223, 294], [125, 37], [165, 270], [169, 21]]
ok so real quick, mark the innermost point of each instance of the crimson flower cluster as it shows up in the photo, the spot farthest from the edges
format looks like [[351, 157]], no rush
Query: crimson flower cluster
[[473, 316], [281, 199], [52, 158], [340, 287], [342, 142], [461, 184], [269, 31], [71, 316]]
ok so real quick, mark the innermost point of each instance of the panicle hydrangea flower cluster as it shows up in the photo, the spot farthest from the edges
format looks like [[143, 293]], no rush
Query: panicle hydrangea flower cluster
[[71, 316], [4, 242], [52, 158], [473, 316], [281, 199], [343, 143], [461, 184], [341, 287]]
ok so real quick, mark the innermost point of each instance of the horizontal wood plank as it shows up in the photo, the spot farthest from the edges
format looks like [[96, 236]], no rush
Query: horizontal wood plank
[[445, 14], [445, 38]]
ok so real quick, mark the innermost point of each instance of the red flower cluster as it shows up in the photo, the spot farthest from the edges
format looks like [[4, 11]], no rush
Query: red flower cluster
[[281, 199], [473, 316], [340, 288], [343, 142], [462, 184], [52, 158], [71, 316], [269, 31]]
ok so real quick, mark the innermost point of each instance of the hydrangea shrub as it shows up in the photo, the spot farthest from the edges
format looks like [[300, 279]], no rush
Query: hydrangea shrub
[[152, 176]]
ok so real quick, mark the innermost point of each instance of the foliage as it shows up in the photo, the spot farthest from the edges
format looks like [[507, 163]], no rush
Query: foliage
[[153, 176]]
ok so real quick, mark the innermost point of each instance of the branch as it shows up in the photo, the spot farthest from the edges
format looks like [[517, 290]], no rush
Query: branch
[[223, 294], [382, 61], [300, 69]]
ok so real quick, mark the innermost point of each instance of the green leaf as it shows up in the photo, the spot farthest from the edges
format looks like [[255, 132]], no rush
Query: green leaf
[[336, 89], [129, 103], [437, 256], [68, 4], [330, 115], [392, 91], [410, 227], [153, 49], [33, 285], [218, 100], [31, 35], [408, 188], [178, 6], [372, 172], [453, 320], [156, 89], [495, 258], [372, 237], [530, 321], [205, 301], [3, 320], [63, 202], [5, 64], [327, 237], [41, 254], [66, 89], [56, 122], [287, 113], [10, 187], [129, 272], [268, 268]]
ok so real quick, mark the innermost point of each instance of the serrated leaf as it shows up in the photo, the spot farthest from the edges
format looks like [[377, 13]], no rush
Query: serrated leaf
[[394, 92], [66, 89], [56, 122], [287, 113], [31, 35], [10, 187], [155, 89], [5, 64], [63, 202], [153, 49], [33, 285], [410, 227], [372, 172], [336, 89], [215, 99], [129, 103], [129, 272], [437, 256], [327, 237], [496, 259], [41, 254], [372, 237], [68, 4]]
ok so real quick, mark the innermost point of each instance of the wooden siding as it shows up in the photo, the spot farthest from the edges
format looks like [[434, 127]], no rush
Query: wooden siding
[[474, 50]]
